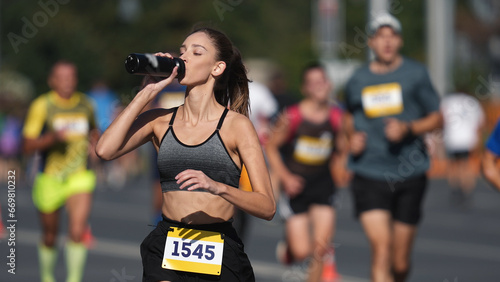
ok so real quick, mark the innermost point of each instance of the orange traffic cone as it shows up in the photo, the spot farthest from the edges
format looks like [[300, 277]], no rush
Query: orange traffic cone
[[330, 273]]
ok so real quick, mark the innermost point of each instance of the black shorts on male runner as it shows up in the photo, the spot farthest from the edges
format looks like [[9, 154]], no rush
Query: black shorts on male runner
[[402, 199]]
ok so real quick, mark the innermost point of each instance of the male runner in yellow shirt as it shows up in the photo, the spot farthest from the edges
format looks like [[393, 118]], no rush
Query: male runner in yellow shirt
[[58, 125]]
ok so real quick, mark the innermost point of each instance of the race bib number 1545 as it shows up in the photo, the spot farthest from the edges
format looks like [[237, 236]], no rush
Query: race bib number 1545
[[193, 250]]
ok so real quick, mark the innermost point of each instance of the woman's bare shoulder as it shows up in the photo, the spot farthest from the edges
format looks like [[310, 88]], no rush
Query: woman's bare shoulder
[[239, 127], [236, 120]]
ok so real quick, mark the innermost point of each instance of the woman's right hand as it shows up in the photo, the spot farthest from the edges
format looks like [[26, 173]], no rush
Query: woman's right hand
[[153, 84], [130, 128]]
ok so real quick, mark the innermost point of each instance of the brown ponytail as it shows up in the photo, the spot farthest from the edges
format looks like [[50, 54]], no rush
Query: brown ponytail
[[231, 88]]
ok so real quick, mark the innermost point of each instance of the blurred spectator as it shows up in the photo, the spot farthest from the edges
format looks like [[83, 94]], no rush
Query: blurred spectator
[[463, 123], [301, 150], [10, 140], [115, 173], [262, 108], [16, 92], [391, 104], [279, 87], [171, 96], [490, 168], [106, 104], [60, 124]]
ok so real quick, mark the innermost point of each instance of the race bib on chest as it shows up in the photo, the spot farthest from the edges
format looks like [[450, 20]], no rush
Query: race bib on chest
[[193, 250], [312, 150], [382, 100], [75, 125]]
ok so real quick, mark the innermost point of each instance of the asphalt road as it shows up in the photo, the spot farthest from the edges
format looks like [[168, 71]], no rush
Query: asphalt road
[[453, 244]]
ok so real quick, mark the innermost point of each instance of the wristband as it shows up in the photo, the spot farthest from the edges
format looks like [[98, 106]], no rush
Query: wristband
[[409, 131]]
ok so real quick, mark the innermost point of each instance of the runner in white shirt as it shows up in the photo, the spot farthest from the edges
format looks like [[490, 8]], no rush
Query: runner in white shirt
[[263, 107], [463, 122]]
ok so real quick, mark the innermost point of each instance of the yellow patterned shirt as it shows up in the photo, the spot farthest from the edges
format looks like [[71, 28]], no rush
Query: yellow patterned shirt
[[49, 112]]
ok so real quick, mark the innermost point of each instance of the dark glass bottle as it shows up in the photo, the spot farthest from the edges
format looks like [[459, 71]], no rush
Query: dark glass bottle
[[148, 64]]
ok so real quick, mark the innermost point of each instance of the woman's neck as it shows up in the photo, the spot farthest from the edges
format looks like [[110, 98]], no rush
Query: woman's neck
[[200, 104]]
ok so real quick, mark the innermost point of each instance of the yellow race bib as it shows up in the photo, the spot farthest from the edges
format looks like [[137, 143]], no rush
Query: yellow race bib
[[382, 100], [193, 250], [312, 150], [75, 125]]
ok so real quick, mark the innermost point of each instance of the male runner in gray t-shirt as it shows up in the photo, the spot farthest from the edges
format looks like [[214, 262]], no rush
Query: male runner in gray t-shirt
[[391, 103]]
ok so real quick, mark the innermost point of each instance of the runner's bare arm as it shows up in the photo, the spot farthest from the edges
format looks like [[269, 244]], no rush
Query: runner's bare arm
[[277, 138], [129, 130], [356, 139], [260, 201], [490, 169], [426, 124]]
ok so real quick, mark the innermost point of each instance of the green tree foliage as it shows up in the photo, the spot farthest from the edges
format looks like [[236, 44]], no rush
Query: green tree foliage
[[92, 33], [34, 34]]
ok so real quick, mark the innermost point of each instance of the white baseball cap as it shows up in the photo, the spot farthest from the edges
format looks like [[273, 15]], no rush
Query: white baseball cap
[[382, 20]]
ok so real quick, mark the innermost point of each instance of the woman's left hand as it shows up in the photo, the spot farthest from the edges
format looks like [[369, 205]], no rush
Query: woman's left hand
[[196, 179]]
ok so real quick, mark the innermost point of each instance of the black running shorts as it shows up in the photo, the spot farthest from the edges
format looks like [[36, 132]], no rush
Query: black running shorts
[[235, 263], [402, 199], [458, 155], [318, 190]]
